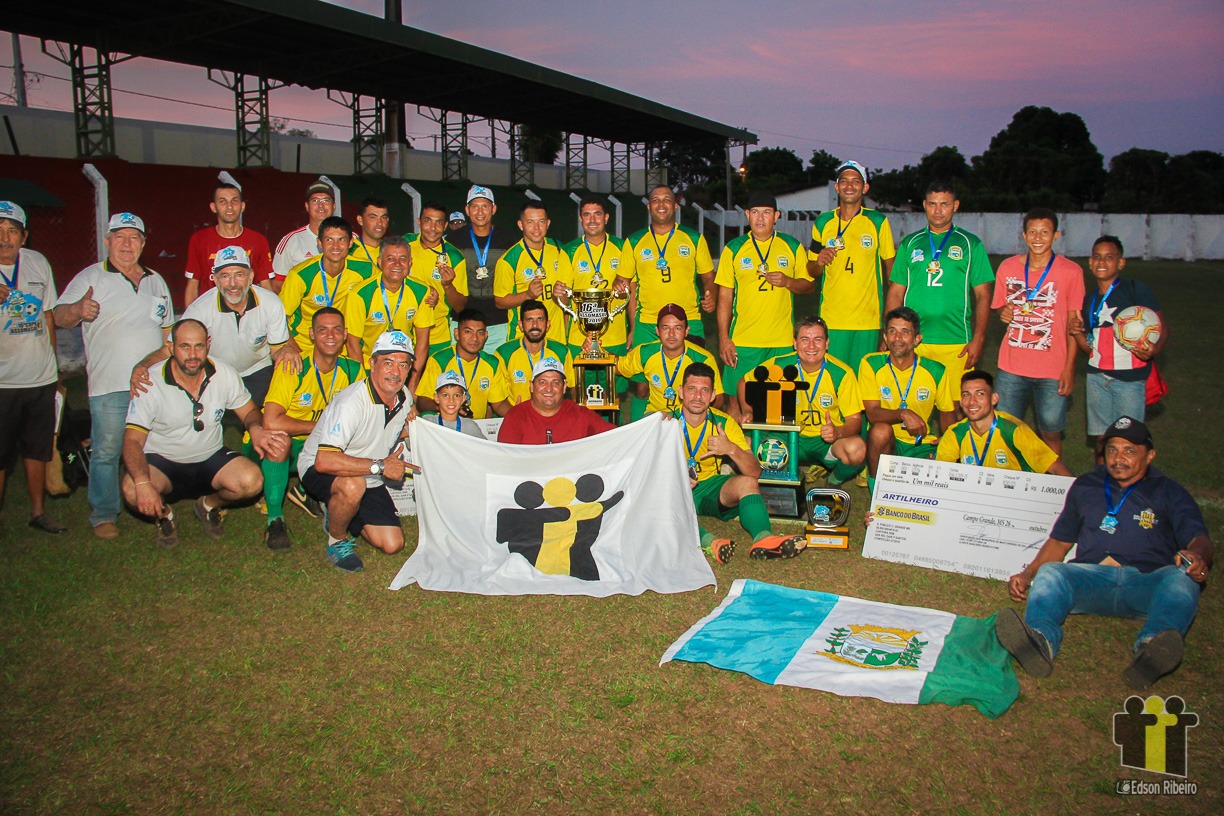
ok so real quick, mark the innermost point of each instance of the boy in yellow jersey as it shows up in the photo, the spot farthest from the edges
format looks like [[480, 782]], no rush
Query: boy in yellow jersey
[[530, 270], [294, 402], [990, 438], [943, 273], [324, 280], [391, 302], [759, 275], [664, 361], [852, 253], [372, 222], [439, 265], [710, 439], [829, 410], [900, 393], [519, 357], [483, 374]]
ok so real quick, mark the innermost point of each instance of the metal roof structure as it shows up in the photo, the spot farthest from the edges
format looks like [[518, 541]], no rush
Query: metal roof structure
[[318, 45]]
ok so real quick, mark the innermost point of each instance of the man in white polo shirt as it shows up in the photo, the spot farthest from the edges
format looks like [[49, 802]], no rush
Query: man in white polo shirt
[[352, 453], [173, 447], [127, 313], [246, 327], [303, 242], [28, 370]]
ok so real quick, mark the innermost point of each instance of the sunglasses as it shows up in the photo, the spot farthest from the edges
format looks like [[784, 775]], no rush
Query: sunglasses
[[197, 410]]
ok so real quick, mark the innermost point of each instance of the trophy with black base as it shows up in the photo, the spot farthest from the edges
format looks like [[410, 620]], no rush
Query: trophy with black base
[[771, 392], [828, 508]]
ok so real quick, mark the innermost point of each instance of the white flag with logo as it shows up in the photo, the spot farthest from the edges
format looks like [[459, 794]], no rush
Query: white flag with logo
[[607, 515]]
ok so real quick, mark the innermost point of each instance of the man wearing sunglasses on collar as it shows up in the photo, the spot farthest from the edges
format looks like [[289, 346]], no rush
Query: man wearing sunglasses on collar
[[173, 447]]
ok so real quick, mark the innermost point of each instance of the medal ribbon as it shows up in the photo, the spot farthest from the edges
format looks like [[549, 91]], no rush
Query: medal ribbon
[[935, 253], [908, 385], [530, 362], [387, 304], [978, 459], [1098, 303], [12, 284], [467, 382], [662, 249], [811, 392], [1031, 294], [458, 422], [691, 448], [757, 247], [1111, 509], [329, 297], [604, 249], [326, 395], [675, 373], [539, 263], [841, 229], [482, 254], [366, 250]]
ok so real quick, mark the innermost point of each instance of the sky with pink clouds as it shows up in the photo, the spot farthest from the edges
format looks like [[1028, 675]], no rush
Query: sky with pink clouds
[[880, 82]]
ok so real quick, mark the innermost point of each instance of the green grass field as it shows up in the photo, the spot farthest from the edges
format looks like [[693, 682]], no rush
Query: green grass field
[[220, 678]]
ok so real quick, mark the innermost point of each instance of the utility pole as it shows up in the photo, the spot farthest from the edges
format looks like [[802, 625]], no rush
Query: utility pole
[[19, 78]]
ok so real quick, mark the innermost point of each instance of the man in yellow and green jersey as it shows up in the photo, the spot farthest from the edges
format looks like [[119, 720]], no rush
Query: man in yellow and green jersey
[[482, 372], [437, 264], [596, 256], [987, 437], [711, 439], [759, 275], [519, 357], [529, 270], [901, 392], [663, 362], [852, 253], [372, 221], [391, 302], [293, 405], [942, 273], [324, 280], [829, 410]]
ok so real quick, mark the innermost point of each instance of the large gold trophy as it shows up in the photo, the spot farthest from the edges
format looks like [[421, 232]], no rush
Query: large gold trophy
[[594, 368]]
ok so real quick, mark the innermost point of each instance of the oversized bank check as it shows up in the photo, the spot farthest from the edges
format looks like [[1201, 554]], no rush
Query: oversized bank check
[[961, 518]]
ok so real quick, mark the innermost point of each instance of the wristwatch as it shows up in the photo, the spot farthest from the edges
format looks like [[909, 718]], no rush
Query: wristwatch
[[376, 467]]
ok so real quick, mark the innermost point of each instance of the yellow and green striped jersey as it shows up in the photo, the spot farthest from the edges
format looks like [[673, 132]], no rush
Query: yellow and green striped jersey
[[370, 310], [662, 374], [687, 255], [363, 259], [762, 315], [485, 378], [852, 286], [517, 363], [304, 395], [515, 272], [832, 393], [697, 440], [307, 290], [921, 388], [425, 270], [584, 259], [1012, 446]]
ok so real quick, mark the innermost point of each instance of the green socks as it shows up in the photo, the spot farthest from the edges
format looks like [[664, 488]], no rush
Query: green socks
[[276, 481], [754, 517]]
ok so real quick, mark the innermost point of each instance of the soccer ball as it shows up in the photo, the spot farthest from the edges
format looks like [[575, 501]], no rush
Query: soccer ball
[[1136, 326]]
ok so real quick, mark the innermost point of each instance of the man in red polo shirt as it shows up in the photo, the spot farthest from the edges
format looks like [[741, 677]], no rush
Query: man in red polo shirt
[[548, 416]]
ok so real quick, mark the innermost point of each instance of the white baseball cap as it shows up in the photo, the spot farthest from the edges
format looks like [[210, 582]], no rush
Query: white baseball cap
[[231, 256], [449, 378], [547, 364], [480, 192], [392, 342], [457, 216], [851, 165], [125, 220], [13, 212]]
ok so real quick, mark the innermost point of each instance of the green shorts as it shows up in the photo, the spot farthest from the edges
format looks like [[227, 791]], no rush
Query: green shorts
[[852, 345], [914, 450], [815, 451], [705, 498], [749, 358]]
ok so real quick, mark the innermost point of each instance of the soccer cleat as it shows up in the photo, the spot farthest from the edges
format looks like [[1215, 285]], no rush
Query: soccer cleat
[[276, 536], [815, 472], [1028, 646], [722, 549], [861, 481], [167, 531], [1155, 658], [343, 557], [297, 496], [210, 519], [777, 546]]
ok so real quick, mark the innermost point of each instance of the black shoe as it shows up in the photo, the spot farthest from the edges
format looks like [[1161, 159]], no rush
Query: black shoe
[[298, 497], [1026, 645], [167, 531], [44, 524], [210, 519], [276, 536], [1155, 658]]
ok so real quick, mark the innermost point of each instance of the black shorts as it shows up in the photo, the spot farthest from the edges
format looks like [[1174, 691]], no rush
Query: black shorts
[[376, 509], [257, 383], [27, 423], [190, 480]]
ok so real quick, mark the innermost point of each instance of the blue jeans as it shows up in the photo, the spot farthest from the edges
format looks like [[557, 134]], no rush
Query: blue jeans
[[1049, 407], [1167, 598], [108, 417], [1109, 399]]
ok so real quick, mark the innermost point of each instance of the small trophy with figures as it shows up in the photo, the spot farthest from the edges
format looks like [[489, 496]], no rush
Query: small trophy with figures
[[828, 509]]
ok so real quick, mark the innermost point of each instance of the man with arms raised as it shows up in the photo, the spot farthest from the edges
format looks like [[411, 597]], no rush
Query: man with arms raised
[[548, 417], [440, 266], [1141, 551], [127, 313], [663, 362], [29, 373], [990, 438], [303, 242], [901, 391], [486, 390], [202, 249], [712, 439], [519, 357], [482, 245], [317, 282], [295, 401], [759, 275], [173, 447], [372, 221], [532, 269], [391, 302], [829, 409], [943, 274], [353, 452], [852, 253]]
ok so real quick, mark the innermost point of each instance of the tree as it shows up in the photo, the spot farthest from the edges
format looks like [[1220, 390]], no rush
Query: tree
[[772, 167], [692, 164], [906, 187], [822, 166], [542, 145], [1195, 183], [279, 125], [1134, 181], [1042, 158]]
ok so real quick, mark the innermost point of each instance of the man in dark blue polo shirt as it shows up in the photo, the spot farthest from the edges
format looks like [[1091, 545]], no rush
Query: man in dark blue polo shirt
[[1142, 552]]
